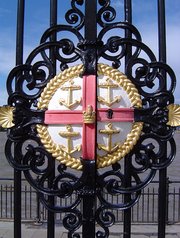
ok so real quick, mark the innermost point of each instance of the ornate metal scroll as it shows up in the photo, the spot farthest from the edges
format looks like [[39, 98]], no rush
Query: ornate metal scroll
[[156, 117]]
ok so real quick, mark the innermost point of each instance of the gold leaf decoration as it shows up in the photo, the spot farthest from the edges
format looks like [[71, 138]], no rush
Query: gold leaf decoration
[[6, 117], [174, 115]]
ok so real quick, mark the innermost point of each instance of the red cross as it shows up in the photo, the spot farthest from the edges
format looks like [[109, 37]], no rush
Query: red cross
[[76, 117]]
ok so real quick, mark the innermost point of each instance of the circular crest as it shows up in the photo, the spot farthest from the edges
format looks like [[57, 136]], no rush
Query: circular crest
[[63, 95]]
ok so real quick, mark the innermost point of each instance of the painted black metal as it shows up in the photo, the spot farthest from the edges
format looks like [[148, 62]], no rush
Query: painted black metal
[[89, 171], [148, 156], [128, 160], [51, 199], [88, 193], [162, 208], [17, 173]]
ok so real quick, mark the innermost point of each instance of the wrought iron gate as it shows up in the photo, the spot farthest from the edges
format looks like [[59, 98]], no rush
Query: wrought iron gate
[[126, 168]]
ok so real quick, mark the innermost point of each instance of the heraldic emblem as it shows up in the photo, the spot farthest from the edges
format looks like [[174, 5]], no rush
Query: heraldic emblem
[[90, 117]]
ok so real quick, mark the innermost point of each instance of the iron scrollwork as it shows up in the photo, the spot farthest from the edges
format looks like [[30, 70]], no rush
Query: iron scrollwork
[[24, 85], [146, 73]]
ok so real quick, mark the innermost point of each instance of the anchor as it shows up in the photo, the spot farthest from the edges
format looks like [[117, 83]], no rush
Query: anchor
[[109, 131], [69, 103], [69, 134], [109, 85]]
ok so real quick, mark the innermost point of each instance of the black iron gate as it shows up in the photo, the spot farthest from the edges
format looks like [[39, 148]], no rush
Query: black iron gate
[[91, 24]]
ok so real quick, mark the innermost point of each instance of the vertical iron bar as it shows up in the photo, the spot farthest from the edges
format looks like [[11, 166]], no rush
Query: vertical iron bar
[[162, 30], [38, 214], [174, 204], [51, 215], [142, 212], [127, 163], [178, 205], [17, 174], [17, 203], [25, 201], [20, 32], [148, 194], [162, 173], [90, 20], [127, 198], [137, 209], [11, 202], [117, 212], [167, 200], [1, 200], [153, 220], [88, 226], [30, 201], [89, 168], [6, 200]]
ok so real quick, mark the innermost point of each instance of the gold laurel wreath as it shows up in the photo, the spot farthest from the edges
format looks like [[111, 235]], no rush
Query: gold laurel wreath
[[102, 161]]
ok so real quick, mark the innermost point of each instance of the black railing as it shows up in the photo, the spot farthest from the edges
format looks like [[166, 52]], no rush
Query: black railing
[[146, 211]]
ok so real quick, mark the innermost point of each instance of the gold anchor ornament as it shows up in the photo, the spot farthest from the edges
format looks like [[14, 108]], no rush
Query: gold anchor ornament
[[69, 135], [69, 102], [109, 85], [110, 131]]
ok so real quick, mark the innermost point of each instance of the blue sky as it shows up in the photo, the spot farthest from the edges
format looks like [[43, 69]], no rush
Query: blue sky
[[37, 21]]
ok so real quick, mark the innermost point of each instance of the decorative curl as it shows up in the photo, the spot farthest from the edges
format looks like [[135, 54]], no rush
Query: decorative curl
[[74, 16], [72, 221], [106, 14]]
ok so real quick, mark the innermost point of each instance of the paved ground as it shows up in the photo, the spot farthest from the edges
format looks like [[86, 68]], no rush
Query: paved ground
[[138, 231]]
